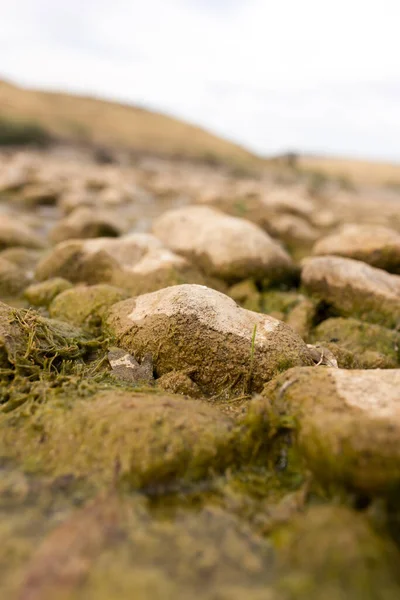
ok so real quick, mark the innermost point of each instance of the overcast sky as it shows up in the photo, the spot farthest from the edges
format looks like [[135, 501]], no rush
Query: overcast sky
[[308, 75]]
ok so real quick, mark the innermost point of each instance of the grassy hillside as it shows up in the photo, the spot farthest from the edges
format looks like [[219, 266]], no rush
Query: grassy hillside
[[357, 171], [112, 124], [94, 121]]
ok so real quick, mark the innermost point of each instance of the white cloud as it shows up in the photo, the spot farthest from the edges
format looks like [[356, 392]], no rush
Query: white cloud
[[311, 75]]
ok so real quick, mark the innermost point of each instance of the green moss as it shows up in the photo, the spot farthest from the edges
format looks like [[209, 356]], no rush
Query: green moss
[[332, 552], [39, 356], [42, 294], [373, 346], [153, 440], [85, 306], [346, 445], [247, 295], [278, 302], [13, 280], [24, 258]]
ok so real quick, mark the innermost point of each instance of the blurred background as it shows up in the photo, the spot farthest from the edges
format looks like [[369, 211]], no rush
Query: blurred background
[[313, 77]]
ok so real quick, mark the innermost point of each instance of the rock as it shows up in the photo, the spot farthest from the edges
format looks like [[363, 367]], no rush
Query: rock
[[68, 260], [13, 280], [15, 178], [87, 223], [247, 295], [85, 306], [127, 250], [39, 195], [374, 244], [137, 263], [128, 552], [28, 339], [42, 294], [14, 233], [348, 423], [346, 359], [294, 231], [125, 367], [194, 327], [374, 346], [322, 355], [24, 258], [293, 308], [334, 552], [147, 440], [353, 288], [301, 317], [146, 265], [223, 246], [179, 382]]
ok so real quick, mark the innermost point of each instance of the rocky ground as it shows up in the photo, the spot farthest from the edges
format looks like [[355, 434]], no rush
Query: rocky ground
[[199, 378]]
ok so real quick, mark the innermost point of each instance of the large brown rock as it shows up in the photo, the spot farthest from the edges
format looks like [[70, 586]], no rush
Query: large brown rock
[[223, 246], [229, 350], [354, 288]]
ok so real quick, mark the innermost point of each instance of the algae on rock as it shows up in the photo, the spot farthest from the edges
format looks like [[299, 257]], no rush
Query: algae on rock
[[197, 328]]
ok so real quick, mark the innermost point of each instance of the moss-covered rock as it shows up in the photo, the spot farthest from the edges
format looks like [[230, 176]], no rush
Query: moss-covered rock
[[155, 440], [69, 261], [14, 233], [293, 308], [346, 359], [229, 350], [354, 289], [347, 423], [301, 317], [42, 294], [13, 280], [114, 547], [36, 355], [179, 382], [24, 258], [276, 302], [135, 264], [85, 306], [333, 552], [247, 295], [375, 347]]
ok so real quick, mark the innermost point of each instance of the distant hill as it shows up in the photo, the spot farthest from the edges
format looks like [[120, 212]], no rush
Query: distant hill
[[110, 124], [90, 120]]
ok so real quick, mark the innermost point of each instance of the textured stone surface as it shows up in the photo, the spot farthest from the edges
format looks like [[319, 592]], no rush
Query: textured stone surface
[[354, 288], [189, 326], [374, 244], [226, 247], [348, 422]]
